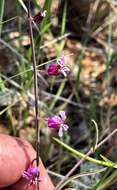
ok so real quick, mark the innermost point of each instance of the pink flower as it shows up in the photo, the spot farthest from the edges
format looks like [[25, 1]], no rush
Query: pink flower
[[53, 70], [31, 174], [58, 122], [58, 68], [39, 17]]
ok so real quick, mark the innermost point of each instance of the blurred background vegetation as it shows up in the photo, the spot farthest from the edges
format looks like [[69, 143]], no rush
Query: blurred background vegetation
[[86, 33]]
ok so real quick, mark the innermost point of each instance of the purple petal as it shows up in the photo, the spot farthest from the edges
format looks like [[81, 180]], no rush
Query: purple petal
[[53, 70], [54, 122], [31, 173], [61, 61], [30, 169], [62, 115], [60, 133], [26, 175], [39, 16]]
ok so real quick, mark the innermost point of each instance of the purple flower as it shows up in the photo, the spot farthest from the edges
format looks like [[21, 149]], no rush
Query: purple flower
[[39, 17], [58, 68], [31, 173], [53, 70], [58, 122]]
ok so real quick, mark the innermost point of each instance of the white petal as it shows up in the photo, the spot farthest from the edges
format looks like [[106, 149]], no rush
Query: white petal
[[44, 13], [62, 115], [61, 61], [66, 69], [63, 72], [60, 133], [65, 127]]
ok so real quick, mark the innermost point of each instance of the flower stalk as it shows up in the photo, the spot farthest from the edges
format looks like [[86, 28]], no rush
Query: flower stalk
[[35, 89]]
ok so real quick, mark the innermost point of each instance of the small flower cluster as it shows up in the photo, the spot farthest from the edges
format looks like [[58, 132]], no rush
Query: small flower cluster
[[31, 174], [57, 121]]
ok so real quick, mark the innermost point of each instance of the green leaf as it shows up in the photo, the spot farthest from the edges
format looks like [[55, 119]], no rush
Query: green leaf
[[79, 154], [23, 5], [59, 92], [106, 159], [64, 19], [2, 5]]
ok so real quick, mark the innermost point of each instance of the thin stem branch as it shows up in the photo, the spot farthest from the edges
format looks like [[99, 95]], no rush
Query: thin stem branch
[[58, 187], [35, 88]]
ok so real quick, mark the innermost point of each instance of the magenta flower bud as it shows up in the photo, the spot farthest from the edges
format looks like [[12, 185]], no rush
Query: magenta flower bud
[[39, 17], [31, 174], [53, 70], [58, 122], [59, 68]]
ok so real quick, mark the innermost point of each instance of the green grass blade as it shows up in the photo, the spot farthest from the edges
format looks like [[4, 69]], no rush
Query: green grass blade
[[80, 69], [64, 19], [59, 92], [105, 184], [47, 6], [4, 22], [23, 5], [106, 159], [106, 174], [63, 27], [81, 175], [2, 5], [79, 154]]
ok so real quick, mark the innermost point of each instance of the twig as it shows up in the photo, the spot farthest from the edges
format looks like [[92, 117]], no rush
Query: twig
[[82, 175], [73, 182], [67, 100], [82, 159], [35, 89]]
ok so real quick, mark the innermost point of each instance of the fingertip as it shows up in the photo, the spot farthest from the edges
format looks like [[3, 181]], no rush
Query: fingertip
[[15, 156]]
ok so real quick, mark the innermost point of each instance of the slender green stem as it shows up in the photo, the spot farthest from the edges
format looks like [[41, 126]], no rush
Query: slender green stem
[[83, 158], [4, 22], [2, 3], [35, 88], [86, 157], [81, 175], [108, 181]]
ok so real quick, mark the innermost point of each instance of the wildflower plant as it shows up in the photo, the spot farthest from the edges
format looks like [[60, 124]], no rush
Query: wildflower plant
[[33, 173], [57, 121]]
